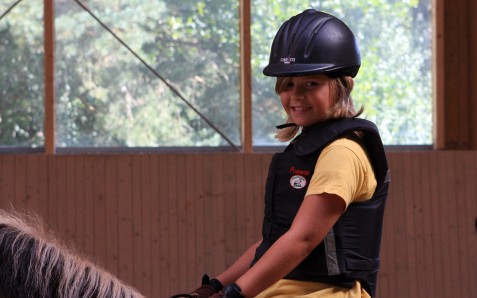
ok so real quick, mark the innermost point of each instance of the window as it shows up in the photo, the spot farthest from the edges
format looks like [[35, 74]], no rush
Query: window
[[21, 74], [394, 82], [107, 97], [167, 73]]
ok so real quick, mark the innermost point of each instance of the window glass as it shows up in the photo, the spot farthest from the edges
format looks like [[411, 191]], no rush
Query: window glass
[[394, 82], [107, 97], [21, 74]]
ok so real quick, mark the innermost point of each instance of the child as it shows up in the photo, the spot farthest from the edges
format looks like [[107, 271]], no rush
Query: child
[[325, 194]]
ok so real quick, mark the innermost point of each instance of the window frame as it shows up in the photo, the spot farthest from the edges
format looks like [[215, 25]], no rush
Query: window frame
[[245, 87]]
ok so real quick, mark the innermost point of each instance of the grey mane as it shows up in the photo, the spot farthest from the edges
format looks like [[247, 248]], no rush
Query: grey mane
[[34, 264]]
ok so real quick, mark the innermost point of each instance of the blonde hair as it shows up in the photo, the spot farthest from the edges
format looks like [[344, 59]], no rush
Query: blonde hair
[[342, 107]]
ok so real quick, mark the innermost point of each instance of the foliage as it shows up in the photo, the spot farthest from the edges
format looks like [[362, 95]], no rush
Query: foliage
[[394, 82], [107, 97], [127, 104], [21, 79]]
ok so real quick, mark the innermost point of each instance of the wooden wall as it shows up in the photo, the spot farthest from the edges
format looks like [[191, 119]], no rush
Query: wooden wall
[[159, 221]]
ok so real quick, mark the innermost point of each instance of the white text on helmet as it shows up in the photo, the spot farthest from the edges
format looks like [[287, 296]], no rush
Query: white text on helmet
[[287, 60]]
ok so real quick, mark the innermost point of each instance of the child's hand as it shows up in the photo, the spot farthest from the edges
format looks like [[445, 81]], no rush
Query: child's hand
[[209, 288]]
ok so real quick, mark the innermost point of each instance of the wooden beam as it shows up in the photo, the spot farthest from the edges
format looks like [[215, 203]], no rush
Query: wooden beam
[[472, 11], [49, 74], [246, 76], [454, 106], [438, 71]]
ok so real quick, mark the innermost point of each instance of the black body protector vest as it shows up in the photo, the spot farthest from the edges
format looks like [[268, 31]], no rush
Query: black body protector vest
[[350, 251]]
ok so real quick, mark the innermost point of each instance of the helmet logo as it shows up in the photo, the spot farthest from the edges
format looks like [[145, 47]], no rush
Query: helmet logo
[[287, 60]]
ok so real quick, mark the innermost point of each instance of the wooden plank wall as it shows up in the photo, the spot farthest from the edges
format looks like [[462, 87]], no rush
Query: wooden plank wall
[[159, 221]]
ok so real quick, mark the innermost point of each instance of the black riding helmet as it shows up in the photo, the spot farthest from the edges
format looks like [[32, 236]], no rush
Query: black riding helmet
[[313, 42]]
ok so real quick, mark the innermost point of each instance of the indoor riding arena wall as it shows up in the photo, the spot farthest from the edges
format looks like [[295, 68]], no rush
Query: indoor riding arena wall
[[159, 221]]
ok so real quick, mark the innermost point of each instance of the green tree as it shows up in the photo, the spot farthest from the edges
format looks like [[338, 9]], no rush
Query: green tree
[[107, 97], [21, 77], [394, 83], [128, 105]]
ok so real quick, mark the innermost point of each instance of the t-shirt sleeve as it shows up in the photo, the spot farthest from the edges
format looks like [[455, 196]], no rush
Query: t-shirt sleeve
[[343, 169]]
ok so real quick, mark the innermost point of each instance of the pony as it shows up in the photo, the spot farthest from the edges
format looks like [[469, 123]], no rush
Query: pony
[[34, 264]]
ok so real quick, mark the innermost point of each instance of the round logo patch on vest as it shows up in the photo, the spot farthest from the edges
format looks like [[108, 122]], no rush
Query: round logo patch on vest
[[298, 182]]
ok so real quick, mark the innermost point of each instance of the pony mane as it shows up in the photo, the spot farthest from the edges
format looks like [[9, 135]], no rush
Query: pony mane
[[33, 263]]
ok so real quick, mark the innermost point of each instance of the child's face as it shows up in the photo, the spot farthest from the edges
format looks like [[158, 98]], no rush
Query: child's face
[[307, 99]]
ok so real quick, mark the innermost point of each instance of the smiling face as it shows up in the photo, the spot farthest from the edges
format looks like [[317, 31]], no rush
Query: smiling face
[[307, 99]]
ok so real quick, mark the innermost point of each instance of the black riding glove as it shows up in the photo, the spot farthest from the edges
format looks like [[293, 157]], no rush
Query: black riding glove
[[208, 288]]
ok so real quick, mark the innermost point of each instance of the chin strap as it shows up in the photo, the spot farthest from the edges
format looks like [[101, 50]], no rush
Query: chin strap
[[281, 126]]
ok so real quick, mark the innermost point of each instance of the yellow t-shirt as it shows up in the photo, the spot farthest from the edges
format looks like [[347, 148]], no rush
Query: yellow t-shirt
[[344, 169]]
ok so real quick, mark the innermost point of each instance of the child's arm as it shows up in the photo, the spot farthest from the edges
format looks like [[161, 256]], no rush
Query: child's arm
[[239, 267], [316, 216]]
